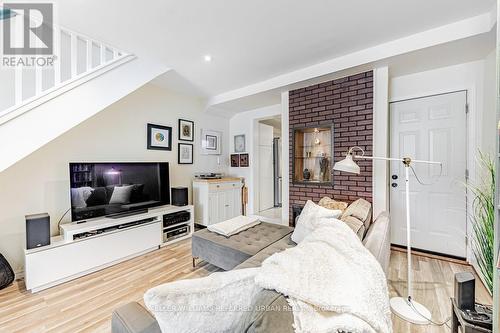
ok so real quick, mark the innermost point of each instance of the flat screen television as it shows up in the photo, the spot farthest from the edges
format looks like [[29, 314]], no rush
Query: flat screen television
[[117, 189]]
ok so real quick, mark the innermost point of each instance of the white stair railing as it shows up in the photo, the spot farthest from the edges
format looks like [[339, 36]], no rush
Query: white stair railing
[[78, 59]]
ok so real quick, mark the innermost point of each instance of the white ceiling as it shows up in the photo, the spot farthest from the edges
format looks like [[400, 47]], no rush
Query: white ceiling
[[255, 40]]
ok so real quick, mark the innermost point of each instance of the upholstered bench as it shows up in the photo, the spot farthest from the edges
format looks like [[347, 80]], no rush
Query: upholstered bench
[[229, 252]]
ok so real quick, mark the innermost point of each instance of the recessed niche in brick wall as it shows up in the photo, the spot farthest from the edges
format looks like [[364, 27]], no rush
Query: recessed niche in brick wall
[[348, 104]]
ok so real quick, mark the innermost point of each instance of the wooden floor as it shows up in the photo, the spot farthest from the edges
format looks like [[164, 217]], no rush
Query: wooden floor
[[85, 304]]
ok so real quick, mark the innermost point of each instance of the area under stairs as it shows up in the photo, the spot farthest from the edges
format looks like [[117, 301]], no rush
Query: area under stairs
[[37, 104]]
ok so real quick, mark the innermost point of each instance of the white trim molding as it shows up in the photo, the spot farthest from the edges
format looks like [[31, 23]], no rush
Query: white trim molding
[[380, 173]]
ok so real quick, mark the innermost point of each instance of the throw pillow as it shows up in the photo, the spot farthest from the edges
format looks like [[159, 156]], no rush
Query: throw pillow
[[80, 195], [121, 195], [309, 218], [356, 225], [360, 209], [137, 193], [332, 204], [97, 198]]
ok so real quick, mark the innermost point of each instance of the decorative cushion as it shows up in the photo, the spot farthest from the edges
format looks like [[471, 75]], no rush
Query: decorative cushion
[[355, 224], [80, 195], [333, 204], [121, 195], [360, 209], [310, 214], [97, 198], [137, 194]]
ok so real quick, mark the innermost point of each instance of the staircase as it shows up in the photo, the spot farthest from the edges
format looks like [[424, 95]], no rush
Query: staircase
[[37, 104]]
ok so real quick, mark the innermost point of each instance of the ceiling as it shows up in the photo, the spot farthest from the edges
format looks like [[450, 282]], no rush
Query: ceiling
[[251, 41], [274, 122]]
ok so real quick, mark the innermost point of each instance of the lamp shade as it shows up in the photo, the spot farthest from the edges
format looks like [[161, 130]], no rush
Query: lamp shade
[[347, 165]]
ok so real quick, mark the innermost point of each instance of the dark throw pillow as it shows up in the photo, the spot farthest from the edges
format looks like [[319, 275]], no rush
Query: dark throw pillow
[[98, 197], [137, 193], [109, 192]]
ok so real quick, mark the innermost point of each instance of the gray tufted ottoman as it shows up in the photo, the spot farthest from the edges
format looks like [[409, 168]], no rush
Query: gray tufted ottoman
[[229, 252]]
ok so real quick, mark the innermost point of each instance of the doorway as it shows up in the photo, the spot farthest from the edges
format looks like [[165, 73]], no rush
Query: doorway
[[269, 173], [431, 128]]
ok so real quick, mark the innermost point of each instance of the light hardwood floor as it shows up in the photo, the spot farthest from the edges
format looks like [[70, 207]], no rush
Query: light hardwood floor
[[86, 304]]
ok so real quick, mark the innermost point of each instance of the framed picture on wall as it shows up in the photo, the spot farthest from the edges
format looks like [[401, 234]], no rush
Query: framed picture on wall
[[239, 143], [235, 160], [185, 153], [244, 160], [211, 142], [159, 137], [186, 130]]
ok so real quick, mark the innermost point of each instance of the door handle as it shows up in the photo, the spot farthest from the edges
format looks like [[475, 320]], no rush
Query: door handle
[[394, 177], [394, 185]]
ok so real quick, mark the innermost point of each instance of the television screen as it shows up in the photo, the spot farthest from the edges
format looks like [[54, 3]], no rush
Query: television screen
[[106, 189]]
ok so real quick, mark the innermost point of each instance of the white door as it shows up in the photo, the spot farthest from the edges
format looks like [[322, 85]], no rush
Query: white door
[[430, 128], [266, 176]]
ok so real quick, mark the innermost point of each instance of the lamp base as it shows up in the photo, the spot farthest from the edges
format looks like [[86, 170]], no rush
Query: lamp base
[[401, 308]]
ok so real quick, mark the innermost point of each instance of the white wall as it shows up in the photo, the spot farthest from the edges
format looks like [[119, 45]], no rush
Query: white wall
[[478, 78], [488, 121], [40, 182], [247, 123]]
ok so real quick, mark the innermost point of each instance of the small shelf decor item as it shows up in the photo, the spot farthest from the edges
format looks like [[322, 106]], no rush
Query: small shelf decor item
[[312, 154], [244, 161], [186, 130], [159, 137], [211, 142], [235, 160], [239, 143], [185, 153]]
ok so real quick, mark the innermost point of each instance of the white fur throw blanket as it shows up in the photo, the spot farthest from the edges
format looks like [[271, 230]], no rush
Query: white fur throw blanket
[[233, 226], [332, 281], [212, 304]]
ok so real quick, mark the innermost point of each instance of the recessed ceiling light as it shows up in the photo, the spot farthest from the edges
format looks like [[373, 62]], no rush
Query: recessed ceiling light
[[207, 57]]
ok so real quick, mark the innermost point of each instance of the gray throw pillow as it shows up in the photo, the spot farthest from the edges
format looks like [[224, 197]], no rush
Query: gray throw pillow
[[121, 195]]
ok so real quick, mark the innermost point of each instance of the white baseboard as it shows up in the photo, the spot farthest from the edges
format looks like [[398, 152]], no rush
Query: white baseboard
[[19, 274]]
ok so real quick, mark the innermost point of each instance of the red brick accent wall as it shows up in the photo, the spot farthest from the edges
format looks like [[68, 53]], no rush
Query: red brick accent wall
[[348, 104]]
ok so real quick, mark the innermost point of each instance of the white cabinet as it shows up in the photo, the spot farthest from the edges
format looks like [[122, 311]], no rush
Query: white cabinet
[[216, 200], [107, 241]]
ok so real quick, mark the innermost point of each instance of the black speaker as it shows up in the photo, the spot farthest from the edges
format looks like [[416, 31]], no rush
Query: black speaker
[[179, 196], [465, 290], [37, 230]]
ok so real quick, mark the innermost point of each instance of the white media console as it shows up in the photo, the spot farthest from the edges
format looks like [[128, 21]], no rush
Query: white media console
[[87, 247]]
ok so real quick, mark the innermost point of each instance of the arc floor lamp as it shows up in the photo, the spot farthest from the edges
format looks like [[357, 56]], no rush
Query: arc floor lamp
[[405, 308]]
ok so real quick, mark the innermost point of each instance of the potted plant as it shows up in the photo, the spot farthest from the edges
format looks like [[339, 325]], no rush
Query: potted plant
[[483, 219]]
